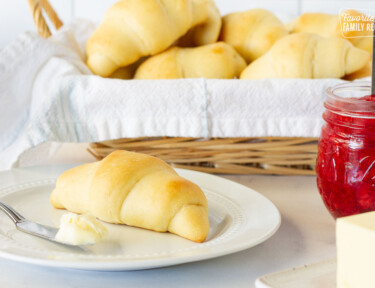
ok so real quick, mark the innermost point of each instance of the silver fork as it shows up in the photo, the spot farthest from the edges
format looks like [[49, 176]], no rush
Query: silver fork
[[35, 229]]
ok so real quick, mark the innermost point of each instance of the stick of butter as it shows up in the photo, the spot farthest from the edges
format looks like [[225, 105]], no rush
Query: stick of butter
[[80, 229], [355, 239]]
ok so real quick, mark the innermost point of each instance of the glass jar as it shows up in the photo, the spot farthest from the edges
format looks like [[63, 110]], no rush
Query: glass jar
[[346, 150]]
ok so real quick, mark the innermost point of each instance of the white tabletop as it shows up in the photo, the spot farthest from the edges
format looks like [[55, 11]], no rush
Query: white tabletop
[[306, 235]]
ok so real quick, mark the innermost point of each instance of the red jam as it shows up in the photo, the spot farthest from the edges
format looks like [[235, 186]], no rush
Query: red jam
[[346, 151]]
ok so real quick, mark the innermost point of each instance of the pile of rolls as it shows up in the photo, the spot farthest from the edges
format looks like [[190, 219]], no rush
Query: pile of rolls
[[169, 39]]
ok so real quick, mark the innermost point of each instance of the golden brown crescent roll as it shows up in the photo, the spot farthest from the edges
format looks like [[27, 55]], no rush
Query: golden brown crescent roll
[[132, 29], [135, 189], [218, 60], [252, 33], [329, 25], [205, 33], [305, 55], [323, 24]]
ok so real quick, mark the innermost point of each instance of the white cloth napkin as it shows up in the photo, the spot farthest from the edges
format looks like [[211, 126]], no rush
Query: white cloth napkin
[[47, 93]]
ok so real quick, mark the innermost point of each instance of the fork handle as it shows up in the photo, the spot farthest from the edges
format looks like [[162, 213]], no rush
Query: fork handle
[[11, 213]]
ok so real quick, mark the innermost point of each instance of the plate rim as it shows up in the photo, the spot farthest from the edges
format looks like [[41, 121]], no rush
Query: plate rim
[[142, 264]]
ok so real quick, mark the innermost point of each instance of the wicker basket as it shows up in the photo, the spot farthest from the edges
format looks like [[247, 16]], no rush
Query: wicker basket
[[263, 155]]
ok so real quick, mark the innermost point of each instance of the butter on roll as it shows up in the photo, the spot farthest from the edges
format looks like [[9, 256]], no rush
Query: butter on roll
[[355, 236], [80, 229]]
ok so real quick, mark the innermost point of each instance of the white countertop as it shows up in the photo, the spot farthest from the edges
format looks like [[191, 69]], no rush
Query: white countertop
[[306, 235]]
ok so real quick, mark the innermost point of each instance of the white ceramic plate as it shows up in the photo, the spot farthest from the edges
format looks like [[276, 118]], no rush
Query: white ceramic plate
[[239, 219], [317, 275]]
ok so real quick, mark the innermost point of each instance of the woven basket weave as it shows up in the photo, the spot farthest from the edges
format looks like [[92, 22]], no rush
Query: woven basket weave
[[263, 155]]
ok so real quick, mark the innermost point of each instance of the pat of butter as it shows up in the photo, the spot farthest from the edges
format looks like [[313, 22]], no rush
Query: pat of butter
[[80, 229], [355, 239]]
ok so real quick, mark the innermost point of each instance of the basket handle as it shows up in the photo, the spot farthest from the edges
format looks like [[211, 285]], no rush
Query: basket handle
[[36, 7]]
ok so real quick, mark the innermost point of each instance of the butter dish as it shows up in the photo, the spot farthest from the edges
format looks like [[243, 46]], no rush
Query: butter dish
[[317, 275]]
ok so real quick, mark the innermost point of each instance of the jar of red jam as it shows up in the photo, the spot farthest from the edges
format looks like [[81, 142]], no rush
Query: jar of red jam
[[346, 151]]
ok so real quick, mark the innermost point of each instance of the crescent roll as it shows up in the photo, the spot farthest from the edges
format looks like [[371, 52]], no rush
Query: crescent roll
[[218, 60], [252, 33], [135, 189], [305, 55], [329, 25], [132, 29]]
